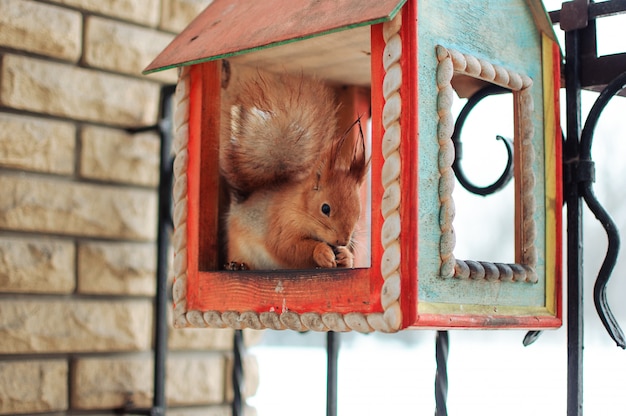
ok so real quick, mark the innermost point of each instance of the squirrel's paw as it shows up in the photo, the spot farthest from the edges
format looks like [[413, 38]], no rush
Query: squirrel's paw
[[324, 256], [344, 257], [233, 265]]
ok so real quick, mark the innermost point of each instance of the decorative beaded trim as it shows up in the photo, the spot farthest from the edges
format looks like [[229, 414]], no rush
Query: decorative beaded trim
[[388, 321], [451, 62], [179, 240], [390, 175]]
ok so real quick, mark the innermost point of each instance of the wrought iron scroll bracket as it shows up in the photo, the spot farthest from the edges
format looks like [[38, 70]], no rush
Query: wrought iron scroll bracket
[[582, 172], [457, 167]]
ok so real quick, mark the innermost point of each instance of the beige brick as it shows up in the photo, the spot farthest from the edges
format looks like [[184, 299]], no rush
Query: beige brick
[[177, 14], [208, 338], [59, 326], [117, 268], [140, 11], [211, 410], [63, 207], [77, 93], [252, 337], [40, 28], [122, 47], [99, 383], [41, 145], [33, 386], [116, 156], [204, 376], [200, 338], [36, 265], [208, 411]]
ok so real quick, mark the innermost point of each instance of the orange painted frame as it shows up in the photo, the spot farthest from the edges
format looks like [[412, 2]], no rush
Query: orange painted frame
[[321, 291], [409, 158], [207, 287], [211, 289]]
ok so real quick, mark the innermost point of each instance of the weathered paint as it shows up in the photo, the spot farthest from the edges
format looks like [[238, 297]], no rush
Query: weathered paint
[[493, 31], [426, 299], [226, 27], [554, 186]]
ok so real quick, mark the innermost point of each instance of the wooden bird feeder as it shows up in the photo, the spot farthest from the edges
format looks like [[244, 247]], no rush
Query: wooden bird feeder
[[405, 60]]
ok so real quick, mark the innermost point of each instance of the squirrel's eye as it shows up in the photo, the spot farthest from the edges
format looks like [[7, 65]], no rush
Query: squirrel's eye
[[326, 209]]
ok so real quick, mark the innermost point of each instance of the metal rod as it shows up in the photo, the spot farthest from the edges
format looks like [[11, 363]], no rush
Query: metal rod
[[574, 228], [164, 217], [442, 345], [606, 8], [332, 353], [163, 242], [596, 10], [237, 375]]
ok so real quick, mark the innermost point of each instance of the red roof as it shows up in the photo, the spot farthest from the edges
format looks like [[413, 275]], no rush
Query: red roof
[[231, 27]]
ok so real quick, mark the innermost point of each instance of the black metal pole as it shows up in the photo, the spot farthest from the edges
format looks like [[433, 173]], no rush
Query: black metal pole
[[442, 345], [163, 242], [574, 227], [332, 351], [237, 374]]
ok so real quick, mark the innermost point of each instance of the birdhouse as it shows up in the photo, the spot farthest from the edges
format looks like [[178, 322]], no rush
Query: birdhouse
[[397, 66]]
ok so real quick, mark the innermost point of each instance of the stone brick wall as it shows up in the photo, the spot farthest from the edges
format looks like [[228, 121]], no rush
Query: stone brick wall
[[78, 214]]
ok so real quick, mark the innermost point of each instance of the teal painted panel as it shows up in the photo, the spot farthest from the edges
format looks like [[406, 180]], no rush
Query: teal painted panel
[[503, 33]]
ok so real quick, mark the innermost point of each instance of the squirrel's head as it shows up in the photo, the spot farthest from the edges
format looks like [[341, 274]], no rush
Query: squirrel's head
[[334, 196]]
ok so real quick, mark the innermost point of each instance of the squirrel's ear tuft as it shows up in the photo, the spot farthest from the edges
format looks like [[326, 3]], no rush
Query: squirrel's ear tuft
[[360, 162], [349, 154]]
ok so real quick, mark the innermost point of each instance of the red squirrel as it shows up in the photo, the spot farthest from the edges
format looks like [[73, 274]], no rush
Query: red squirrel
[[294, 180]]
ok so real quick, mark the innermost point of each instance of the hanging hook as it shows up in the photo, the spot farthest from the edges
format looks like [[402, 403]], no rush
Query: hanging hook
[[506, 176]]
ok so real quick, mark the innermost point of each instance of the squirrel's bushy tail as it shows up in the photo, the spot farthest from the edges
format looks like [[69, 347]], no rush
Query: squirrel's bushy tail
[[280, 126]]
